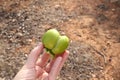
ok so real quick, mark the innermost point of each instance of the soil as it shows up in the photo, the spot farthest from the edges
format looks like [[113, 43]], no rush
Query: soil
[[93, 27]]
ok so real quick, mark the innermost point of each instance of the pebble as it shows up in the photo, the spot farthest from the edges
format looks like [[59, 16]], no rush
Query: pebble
[[19, 34]]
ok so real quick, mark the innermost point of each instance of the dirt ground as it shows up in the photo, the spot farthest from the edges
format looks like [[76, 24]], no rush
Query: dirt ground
[[93, 27]]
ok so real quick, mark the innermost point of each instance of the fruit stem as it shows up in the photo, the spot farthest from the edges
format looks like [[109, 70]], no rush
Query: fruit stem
[[50, 52]]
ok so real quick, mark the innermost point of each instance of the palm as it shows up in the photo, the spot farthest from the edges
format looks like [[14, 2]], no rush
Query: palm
[[40, 68]]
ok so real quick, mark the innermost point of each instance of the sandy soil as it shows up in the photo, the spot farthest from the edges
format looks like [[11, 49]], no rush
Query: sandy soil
[[93, 27]]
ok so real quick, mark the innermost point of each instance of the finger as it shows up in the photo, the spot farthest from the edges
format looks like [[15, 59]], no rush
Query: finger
[[56, 71], [64, 58], [49, 65], [54, 68], [33, 56], [43, 59], [39, 71]]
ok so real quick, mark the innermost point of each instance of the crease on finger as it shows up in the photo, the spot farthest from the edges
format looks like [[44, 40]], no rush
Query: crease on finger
[[49, 65], [39, 71]]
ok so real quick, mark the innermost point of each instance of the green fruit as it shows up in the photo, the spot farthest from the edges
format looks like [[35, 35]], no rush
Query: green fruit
[[54, 43], [50, 38], [61, 45]]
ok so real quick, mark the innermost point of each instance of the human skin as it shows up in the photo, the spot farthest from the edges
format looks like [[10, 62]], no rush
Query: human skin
[[37, 66]]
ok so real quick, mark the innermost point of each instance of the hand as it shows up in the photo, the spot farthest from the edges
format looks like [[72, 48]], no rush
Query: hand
[[43, 68]]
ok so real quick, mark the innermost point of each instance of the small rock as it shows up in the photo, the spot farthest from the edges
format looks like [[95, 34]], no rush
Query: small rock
[[29, 40], [57, 6], [13, 20], [19, 34], [113, 1], [113, 9], [19, 14]]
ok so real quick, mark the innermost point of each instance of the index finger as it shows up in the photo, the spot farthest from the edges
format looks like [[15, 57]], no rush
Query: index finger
[[33, 56]]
